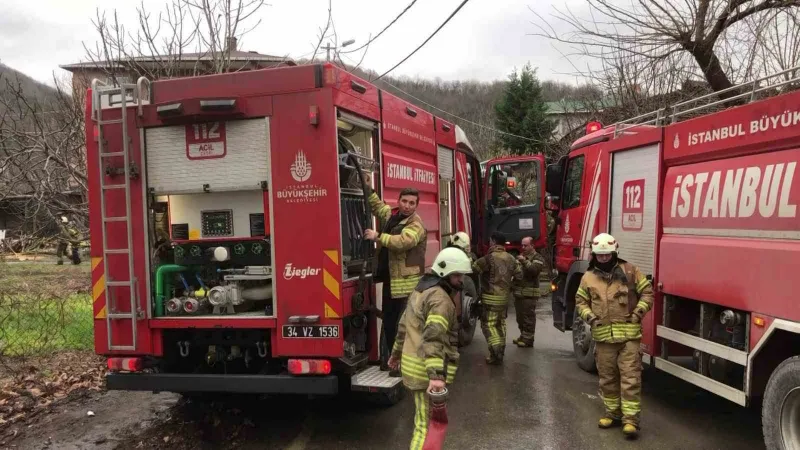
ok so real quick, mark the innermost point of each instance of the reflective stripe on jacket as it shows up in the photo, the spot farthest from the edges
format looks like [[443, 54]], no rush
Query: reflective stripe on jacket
[[427, 338], [527, 285], [406, 244], [498, 270], [613, 298]]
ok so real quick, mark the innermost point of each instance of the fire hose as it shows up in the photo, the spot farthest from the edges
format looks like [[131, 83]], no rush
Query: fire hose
[[437, 424]]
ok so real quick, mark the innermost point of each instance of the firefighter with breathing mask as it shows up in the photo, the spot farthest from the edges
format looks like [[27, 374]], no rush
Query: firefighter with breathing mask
[[613, 297]]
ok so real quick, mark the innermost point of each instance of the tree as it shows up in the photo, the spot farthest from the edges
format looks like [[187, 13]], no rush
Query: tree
[[521, 111], [42, 158], [717, 39]]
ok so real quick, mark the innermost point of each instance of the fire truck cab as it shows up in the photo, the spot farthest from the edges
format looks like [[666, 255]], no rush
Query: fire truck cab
[[227, 215]]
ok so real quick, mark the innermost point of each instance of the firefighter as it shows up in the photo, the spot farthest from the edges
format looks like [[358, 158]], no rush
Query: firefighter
[[526, 292], [498, 270], [69, 235], [426, 347], [401, 245], [461, 240], [613, 297]]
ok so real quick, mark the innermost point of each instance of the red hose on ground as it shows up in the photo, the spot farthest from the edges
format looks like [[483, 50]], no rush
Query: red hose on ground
[[437, 425]]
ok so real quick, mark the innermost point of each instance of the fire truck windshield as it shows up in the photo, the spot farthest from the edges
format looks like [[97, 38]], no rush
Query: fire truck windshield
[[516, 184]]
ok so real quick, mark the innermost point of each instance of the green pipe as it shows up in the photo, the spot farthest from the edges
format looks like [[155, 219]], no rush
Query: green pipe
[[163, 285]]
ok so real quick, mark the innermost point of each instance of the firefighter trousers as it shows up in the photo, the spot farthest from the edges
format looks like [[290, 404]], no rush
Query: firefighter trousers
[[619, 366], [493, 326], [422, 416], [526, 317], [392, 311]]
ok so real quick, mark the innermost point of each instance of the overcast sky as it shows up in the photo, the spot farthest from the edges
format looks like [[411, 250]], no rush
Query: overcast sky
[[484, 41]]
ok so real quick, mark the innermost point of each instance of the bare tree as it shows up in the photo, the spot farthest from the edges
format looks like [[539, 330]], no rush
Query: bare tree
[[708, 37], [42, 159], [190, 37]]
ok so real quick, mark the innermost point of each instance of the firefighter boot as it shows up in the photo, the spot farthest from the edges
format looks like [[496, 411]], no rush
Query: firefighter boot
[[493, 359], [608, 422], [630, 431]]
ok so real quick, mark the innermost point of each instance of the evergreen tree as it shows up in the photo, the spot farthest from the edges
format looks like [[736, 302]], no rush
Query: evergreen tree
[[521, 111]]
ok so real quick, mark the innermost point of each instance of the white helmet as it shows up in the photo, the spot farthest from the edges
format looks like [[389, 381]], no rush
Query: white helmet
[[604, 244], [460, 240], [451, 260]]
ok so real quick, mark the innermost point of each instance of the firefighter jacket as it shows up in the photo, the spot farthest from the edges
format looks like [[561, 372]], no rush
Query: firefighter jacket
[[69, 233], [406, 243], [498, 270], [527, 283], [427, 335], [619, 300]]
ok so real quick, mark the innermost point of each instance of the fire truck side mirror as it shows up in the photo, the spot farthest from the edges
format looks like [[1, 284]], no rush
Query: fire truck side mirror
[[551, 202], [554, 177]]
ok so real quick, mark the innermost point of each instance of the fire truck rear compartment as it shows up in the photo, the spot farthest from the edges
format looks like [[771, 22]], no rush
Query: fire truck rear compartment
[[208, 219]]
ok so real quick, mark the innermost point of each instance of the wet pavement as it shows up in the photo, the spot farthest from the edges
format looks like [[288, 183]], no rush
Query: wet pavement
[[539, 399]]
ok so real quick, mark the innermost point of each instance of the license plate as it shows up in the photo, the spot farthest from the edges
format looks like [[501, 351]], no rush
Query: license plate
[[311, 331]]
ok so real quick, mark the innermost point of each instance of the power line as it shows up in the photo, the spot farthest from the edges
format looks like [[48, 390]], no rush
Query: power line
[[461, 118], [386, 28], [426, 40]]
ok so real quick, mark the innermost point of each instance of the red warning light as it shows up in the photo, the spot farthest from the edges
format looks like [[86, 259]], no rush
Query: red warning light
[[591, 127]]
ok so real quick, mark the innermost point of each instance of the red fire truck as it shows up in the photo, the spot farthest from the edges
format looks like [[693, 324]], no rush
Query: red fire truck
[[707, 208], [227, 214]]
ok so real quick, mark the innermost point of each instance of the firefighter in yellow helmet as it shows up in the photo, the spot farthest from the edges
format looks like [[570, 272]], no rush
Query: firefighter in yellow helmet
[[613, 297], [426, 347]]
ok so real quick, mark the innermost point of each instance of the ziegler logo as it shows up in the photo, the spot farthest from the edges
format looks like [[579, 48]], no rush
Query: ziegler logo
[[290, 272], [300, 168], [736, 193]]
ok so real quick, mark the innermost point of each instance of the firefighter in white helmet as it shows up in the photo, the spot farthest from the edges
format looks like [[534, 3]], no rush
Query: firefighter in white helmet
[[426, 347], [461, 240], [613, 297]]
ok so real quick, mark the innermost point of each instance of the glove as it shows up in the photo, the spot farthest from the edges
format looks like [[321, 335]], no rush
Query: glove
[[634, 318], [367, 188], [593, 321]]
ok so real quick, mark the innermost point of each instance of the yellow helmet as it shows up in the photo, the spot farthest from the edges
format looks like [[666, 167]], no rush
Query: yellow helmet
[[460, 240], [604, 244]]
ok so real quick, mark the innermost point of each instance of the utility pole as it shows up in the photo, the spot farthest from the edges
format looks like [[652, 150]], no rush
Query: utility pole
[[328, 47]]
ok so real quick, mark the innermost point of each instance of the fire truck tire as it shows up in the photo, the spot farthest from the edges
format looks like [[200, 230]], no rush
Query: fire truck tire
[[583, 344], [780, 412], [468, 321]]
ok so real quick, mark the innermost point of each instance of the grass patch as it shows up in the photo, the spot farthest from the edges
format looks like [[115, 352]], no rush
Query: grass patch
[[44, 308]]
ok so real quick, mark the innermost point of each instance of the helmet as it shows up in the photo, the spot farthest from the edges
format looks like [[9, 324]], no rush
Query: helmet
[[451, 260], [460, 240], [604, 244]]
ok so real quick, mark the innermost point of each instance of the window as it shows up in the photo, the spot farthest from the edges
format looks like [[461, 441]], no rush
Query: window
[[573, 183], [519, 184]]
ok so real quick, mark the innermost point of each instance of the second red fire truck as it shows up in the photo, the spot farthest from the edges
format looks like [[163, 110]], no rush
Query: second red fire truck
[[707, 208]]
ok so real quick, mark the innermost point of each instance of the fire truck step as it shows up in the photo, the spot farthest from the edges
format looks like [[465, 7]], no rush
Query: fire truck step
[[109, 155], [372, 379], [116, 219], [113, 186], [110, 122]]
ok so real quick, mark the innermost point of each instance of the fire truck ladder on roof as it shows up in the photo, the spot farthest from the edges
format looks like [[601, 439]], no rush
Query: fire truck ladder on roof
[[99, 91], [769, 86]]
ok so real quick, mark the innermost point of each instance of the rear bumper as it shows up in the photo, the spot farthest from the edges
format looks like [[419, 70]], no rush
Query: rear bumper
[[261, 384]]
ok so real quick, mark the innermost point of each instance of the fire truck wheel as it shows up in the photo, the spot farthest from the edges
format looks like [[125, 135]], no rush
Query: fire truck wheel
[[582, 344], [468, 321], [780, 413]]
